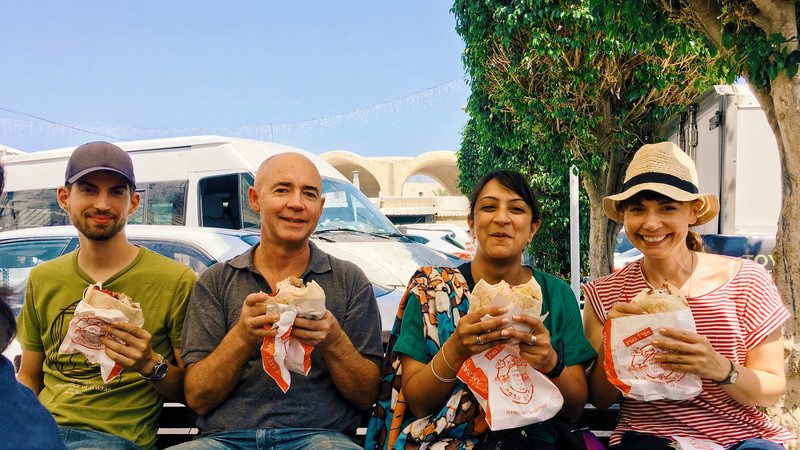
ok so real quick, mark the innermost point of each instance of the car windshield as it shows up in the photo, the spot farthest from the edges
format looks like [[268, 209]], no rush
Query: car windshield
[[346, 208]]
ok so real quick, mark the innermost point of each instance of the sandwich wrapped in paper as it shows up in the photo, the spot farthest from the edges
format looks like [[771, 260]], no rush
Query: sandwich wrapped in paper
[[97, 308], [511, 392], [520, 299], [629, 352], [307, 299], [283, 353]]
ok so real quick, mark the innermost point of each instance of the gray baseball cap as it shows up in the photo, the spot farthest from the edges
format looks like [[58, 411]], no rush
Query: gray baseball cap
[[96, 156]]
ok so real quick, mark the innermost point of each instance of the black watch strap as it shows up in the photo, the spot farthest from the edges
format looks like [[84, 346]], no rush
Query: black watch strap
[[556, 372]]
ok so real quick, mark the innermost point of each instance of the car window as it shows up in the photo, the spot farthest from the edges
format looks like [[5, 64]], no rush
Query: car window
[[182, 252], [27, 209], [17, 258]]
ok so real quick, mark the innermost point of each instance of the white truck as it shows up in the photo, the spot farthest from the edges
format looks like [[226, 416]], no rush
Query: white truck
[[727, 134]]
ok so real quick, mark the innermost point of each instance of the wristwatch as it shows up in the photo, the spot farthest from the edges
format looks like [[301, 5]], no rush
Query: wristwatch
[[733, 375], [159, 371], [556, 372]]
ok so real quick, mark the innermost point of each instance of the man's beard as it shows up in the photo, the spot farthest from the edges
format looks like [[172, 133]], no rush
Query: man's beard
[[99, 234]]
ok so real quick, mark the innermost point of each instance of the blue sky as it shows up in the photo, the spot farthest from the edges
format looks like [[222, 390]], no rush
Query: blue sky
[[375, 78]]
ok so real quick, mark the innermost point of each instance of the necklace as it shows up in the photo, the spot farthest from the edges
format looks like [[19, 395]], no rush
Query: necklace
[[687, 283]]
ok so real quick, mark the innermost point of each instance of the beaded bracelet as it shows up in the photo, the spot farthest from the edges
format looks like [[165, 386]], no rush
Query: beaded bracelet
[[438, 377]]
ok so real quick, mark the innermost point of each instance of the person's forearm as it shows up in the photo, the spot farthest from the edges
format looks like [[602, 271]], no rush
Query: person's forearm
[[572, 384], [211, 380], [171, 386], [356, 377], [602, 394], [424, 393], [756, 387], [34, 384]]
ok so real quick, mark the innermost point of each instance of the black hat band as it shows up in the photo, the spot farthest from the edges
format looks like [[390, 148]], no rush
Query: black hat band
[[662, 178]]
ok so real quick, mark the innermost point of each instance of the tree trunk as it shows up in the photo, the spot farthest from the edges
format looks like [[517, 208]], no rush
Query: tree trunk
[[785, 100], [602, 232]]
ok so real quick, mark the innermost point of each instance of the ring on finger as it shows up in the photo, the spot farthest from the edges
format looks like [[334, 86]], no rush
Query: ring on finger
[[479, 339]]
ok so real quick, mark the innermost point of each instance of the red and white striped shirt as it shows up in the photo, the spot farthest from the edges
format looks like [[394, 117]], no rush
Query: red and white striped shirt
[[735, 317]]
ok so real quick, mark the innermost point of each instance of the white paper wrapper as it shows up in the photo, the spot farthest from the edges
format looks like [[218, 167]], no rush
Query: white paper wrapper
[[84, 336], [629, 352], [511, 392], [284, 353]]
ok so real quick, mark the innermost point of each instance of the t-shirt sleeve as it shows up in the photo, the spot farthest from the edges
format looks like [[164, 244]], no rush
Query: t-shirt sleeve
[[180, 300], [204, 326], [29, 331], [764, 310], [411, 340], [569, 330], [362, 322]]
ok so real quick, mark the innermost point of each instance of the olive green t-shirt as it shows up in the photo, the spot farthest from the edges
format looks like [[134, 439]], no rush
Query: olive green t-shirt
[[73, 391], [563, 322]]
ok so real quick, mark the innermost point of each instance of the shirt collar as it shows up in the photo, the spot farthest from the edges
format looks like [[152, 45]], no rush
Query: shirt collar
[[319, 262]]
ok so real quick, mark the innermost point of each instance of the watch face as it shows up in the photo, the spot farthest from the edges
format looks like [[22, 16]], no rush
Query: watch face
[[734, 376], [160, 372]]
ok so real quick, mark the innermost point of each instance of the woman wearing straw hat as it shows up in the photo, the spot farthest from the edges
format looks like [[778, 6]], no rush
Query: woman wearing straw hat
[[738, 348]]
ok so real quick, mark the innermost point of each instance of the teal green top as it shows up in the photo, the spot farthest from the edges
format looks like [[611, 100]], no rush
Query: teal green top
[[563, 322]]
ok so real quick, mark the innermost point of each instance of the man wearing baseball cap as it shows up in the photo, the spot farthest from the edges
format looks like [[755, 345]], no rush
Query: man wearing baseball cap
[[99, 195]]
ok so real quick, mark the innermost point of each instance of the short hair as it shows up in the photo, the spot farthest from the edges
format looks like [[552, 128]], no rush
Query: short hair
[[513, 181]]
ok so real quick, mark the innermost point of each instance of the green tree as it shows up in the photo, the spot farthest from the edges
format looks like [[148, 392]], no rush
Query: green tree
[[580, 82], [759, 39]]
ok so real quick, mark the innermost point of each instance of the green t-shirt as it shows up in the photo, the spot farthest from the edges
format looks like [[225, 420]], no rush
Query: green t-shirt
[[564, 324], [73, 391]]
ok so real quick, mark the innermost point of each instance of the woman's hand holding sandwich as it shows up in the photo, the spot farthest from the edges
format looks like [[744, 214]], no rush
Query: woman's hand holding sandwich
[[534, 346]]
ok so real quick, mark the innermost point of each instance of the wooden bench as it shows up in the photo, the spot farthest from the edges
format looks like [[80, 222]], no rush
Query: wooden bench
[[178, 422]]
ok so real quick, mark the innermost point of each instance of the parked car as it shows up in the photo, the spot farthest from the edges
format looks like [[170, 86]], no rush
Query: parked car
[[199, 248], [442, 237]]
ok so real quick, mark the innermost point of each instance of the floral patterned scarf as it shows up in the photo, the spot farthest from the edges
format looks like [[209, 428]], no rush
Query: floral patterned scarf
[[441, 292]]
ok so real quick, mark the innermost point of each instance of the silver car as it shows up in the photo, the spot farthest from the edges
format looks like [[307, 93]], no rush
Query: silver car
[[197, 247]]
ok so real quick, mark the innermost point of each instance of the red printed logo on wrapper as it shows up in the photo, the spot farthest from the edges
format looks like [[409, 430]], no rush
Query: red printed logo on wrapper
[[644, 369], [512, 379], [88, 332]]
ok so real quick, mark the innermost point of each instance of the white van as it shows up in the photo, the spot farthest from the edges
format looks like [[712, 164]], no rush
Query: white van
[[203, 181]]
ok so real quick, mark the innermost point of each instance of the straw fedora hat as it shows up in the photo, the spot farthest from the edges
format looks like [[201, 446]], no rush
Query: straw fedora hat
[[666, 169]]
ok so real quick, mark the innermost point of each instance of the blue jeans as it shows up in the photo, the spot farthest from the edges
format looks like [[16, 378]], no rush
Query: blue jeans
[[271, 439], [82, 439], [636, 441]]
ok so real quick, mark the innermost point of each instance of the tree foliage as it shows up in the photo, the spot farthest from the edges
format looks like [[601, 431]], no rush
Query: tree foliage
[[581, 82]]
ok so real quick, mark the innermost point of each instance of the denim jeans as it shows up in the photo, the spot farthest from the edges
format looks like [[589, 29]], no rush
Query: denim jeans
[[637, 441], [82, 439], [271, 439]]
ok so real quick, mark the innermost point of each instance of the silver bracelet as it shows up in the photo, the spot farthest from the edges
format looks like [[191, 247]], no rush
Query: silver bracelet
[[441, 350], [438, 377]]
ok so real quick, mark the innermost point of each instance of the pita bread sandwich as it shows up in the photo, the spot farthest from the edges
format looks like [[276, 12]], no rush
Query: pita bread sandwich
[[307, 299], [667, 298], [100, 298], [528, 296]]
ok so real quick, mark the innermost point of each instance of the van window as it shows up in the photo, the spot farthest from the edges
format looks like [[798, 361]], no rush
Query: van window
[[27, 209], [219, 201], [250, 218], [162, 203]]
